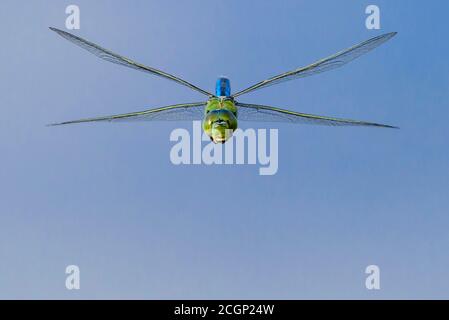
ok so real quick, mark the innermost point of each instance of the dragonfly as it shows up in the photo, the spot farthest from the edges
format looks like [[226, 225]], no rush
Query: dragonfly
[[222, 110]]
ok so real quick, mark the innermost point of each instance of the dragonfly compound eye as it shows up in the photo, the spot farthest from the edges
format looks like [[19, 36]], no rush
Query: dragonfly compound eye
[[219, 125]]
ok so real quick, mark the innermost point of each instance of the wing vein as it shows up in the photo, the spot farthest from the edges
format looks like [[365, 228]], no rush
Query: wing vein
[[332, 62], [177, 112], [262, 113], [115, 58]]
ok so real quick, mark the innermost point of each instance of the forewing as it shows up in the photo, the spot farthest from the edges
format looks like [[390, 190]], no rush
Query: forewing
[[118, 59], [335, 61], [260, 113], [179, 112]]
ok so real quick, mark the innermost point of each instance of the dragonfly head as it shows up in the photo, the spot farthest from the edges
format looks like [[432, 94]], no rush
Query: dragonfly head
[[219, 125]]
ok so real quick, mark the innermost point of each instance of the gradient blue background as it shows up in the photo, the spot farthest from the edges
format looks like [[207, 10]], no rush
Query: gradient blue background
[[107, 198]]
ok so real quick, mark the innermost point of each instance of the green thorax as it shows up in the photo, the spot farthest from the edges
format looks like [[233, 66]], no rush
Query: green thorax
[[217, 103]]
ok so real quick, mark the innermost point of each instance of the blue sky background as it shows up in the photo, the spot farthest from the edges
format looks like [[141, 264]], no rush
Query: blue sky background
[[107, 198]]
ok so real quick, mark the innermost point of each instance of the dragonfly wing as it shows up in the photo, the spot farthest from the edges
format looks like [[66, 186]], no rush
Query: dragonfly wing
[[260, 113], [179, 112], [335, 61], [118, 59]]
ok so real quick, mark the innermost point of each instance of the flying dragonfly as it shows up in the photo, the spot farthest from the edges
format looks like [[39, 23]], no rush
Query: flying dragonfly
[[220, 112]]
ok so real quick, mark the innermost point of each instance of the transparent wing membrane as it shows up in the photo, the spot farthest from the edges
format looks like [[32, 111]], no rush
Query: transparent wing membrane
[[335, 61], [178, 112], [117, 59], [260, 113]]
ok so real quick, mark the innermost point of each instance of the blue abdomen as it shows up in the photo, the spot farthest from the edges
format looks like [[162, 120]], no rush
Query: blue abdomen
[[223, 87]]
